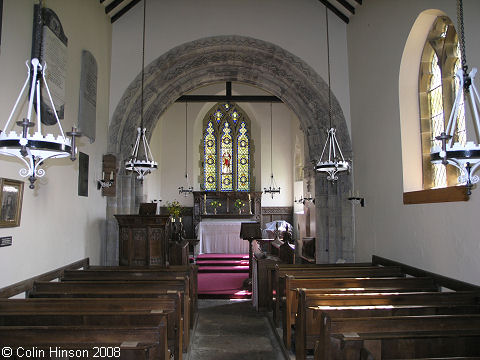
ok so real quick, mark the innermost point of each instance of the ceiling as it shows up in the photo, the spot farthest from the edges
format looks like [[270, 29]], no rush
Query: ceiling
[[344, 9]]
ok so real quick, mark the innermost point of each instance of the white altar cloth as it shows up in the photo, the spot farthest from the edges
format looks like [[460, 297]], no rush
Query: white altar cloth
[[221, 237]]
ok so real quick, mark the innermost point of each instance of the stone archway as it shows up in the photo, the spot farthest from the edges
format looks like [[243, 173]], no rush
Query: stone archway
[[251, 61]]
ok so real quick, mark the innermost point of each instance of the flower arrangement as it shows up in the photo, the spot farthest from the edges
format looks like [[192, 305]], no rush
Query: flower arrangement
[[239, 204], [174, 208], [216, 204]]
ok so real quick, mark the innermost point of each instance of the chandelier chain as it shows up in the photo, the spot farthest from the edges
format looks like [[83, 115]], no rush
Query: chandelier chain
[[143, 63], [271, 141], [328, 66], [462, 34], [186, 138]]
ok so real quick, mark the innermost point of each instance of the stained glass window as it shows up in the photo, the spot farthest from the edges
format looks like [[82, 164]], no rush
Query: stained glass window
[[226, 152], [226, 145], [243, 163], [210, 158]]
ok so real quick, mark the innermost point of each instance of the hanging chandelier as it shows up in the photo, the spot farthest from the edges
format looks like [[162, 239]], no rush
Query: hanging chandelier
[[335, 162], [272, 189], [142, 166], [34, 149], [465, 157], [188, 189]]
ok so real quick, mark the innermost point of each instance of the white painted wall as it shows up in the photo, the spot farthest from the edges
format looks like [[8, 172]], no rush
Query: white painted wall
[[441, 237], [297, 26], [57, 226], [168, 147]]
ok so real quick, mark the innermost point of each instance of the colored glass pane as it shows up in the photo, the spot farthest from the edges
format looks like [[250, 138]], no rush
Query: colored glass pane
[[210, 159], [218, 115], [243, 163], [226, 152], [235, 115]]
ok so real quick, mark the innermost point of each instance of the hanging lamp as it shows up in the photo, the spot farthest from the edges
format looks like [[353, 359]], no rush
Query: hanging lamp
[[34, 149], [272, 189], [465, 157], [188, 189], [142, 166], [335, 162]]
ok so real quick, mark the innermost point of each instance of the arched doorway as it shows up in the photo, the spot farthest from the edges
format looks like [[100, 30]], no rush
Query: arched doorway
[[251, 61]]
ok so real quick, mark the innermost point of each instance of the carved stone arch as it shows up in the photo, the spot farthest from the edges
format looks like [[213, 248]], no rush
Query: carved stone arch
[[251, 61]]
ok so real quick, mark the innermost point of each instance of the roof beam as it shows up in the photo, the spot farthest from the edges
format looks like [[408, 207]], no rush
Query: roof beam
[[347, 6], [112, 5], [124, 10], [335, 11], [232, 98]]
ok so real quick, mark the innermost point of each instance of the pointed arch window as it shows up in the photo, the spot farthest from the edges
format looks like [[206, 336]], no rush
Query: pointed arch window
[[437, 89], [227, 149]]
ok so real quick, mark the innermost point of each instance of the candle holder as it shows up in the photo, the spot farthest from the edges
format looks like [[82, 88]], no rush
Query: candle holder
[[103, 183]]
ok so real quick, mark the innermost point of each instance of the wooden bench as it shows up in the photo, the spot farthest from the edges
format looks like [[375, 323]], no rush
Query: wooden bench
[[87, 337], [169, 305], [346, 285], [117, 289], [326, 272], [271, 268], [127, 274], [307, 330], [307, 327], [437, 345], [191, 270], [328, 347]]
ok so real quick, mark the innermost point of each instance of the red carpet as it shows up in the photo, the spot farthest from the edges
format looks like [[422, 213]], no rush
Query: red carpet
[[222, 276]]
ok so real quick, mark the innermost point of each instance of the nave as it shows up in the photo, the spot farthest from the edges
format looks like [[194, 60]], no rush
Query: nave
[[233, 330]]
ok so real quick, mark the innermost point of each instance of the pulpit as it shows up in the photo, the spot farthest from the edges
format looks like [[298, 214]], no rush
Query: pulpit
[[143, 240]]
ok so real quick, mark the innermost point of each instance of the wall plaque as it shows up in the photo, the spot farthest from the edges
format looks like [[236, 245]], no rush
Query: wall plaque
[[83, 160], [51, 48], [5, 241], [87, 112]]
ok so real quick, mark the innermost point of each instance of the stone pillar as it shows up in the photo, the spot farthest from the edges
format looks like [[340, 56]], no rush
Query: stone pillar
[[334, 222]]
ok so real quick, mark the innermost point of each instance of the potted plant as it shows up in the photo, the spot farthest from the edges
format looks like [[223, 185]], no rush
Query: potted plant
[[215, 204], [239, 204], [174, 209]]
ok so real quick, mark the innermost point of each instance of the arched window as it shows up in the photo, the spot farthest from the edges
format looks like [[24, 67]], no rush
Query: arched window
[[437, 87], [226, 149]]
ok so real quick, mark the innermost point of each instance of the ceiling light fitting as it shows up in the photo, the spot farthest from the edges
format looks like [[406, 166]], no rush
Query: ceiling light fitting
[[142, 166], [188, 189], [34, 149], [335, 162], [272, 189], [465, 157]]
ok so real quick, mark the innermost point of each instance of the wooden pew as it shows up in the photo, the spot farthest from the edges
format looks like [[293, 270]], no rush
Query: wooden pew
[[346, 285], [329, 348], [266, 292], [325, 272], [118, 289], [130, 274], [191, 270], [86, 337], [307, 328], [301, 267], [169, 305], [425, 345]]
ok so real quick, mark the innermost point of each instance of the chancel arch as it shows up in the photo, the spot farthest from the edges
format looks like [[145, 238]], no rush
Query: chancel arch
[[254, 62]]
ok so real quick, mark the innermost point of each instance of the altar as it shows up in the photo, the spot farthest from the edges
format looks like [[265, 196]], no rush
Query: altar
[[221, 236]]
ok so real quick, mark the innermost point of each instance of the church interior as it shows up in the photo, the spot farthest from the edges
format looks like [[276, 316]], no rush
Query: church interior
[[294, 163]]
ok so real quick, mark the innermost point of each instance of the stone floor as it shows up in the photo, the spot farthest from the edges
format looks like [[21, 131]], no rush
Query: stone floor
[[232, 330]]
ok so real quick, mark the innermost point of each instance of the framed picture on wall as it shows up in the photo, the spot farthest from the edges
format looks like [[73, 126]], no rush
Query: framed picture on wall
[[11, 197]]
